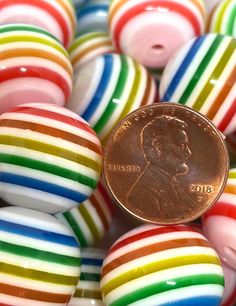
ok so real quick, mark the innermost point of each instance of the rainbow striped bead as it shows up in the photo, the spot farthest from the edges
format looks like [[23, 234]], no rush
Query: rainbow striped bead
[[34, 67], [50, 158], [109, 87], [219, 223], [88, 292], [223, 18], [88, 46], [162, 265], [40, 259], [151, 30], [57, 16], [202, 75], [91, 219], [229, 297], [92, 16]]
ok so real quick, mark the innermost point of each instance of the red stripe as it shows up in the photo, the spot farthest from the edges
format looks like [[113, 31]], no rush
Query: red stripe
[[150, 233], [222, 209], [145, 8], [46, 7], [106, 197], [231, 301], [36, 72], [228, 116], [24, 109]]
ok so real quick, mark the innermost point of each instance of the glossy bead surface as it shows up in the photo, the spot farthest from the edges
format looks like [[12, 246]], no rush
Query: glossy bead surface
[[109, 87], [88, 292], [168, 265], [201, 75], [229, 297], [150, 31], [34, 67], [40, 259], [219, 223], [57, 16], [50, 158]]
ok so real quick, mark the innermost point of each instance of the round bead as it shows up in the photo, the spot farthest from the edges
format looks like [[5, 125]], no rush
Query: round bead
[[57, 16], [151, 30], [89, 45], [229, 297], [109, 87], [88, 292], [92, 16], [168, 265], [50, 158], [40, 259], [34, 67], [223, 18], [219, 223], [201, 75], [91, 219]]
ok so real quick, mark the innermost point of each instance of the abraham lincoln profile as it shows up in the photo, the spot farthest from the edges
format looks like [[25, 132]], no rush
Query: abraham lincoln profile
[[157, 191]]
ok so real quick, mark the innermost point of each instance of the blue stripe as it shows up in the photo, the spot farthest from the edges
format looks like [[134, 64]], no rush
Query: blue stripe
[[196, 301], [102, 87], [43, 186], [36, 233], [91, 9], [91, 261], [182, 69]]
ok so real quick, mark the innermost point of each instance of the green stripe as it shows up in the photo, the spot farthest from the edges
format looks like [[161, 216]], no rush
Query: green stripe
[[231, 20], [39, 254], [201, 69], [25, 38], [219, 68], [89, 294], [90, 222], [164, 286], [91, 277], [75, 228], [38, 275], [112, 105], [48, 168], [84, 38], [49, 149]]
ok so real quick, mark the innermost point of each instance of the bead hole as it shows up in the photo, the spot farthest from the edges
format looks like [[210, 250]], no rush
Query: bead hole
[[157, 48]]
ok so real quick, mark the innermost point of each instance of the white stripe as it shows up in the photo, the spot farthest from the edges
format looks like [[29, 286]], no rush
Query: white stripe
[[77, 301], [96, 217], [229, 198], [103, 204], [90, 269], [93, 253], [89, 285]]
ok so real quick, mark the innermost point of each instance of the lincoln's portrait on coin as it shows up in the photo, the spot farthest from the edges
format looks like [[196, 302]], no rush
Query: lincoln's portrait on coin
[[166, 148]]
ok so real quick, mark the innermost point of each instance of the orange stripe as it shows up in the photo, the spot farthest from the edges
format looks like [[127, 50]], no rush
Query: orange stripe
[[100, 211], [153, 248], [230, 189], [147, 91], [69, 12]]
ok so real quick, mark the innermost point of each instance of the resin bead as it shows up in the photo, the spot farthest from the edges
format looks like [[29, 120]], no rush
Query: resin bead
[[162, 265], [34, 67], [151, 30], [50, 158], [40, 259], [202, 75], [229, 297]]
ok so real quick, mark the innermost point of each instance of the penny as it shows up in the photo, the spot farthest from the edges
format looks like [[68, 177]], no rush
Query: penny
[[165, 163]]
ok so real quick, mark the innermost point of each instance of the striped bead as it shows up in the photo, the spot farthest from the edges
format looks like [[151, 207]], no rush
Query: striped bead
[[109, 87], [92, 16], [88, 46], [40, 259], [88, 292], [202, 75], [34, 67], [50, 158], [219, 223], [57, 16], [151, 30], [91, 219], [229, 297], [210, 4], [162, 265], [223, 18]]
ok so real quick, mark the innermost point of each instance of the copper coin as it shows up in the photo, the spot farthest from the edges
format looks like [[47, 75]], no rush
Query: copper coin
[[165, 163]]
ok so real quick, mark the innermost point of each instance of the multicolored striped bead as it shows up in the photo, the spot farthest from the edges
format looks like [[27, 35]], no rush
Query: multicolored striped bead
[[34, 67], [202, 75], [92, 16], [223, 18], [151, 30], [219, 223], [88, 292], [91, 219], [40, 259], [57, 16], [162, 265], [89, 45], [109, 87], [229, 297], [50, 158]]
